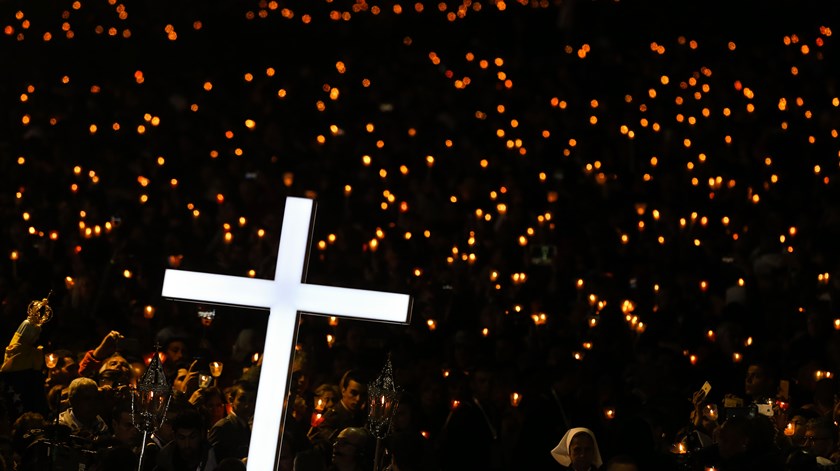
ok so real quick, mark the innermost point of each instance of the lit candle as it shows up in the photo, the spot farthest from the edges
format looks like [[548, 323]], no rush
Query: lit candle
[[316, 419], [515, 399], [216, 368], [204, 380], [51, 359], [790, 429], [712, 411], [14, 258]]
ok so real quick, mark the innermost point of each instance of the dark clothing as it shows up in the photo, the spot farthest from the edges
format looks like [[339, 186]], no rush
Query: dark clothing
[[230, 436], [470, 439], [170, 460], [751, 460], [336, 419]]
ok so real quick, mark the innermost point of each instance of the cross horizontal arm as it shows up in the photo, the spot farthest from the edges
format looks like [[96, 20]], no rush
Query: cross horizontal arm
[[218, 289], [349, 302]]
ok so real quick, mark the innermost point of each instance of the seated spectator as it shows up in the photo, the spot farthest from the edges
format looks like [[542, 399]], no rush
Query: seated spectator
[[578, 450]]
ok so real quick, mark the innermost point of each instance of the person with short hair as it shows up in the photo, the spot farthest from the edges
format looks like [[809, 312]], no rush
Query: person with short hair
[[190, 449], [82, 416], [212, 404], [350, 451], [231, 436], [123, 430]]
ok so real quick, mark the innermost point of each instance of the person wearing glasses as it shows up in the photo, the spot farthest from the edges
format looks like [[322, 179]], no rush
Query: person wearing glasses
[[820, 439]]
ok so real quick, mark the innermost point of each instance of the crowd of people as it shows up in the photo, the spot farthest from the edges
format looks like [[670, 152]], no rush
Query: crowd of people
[[618, 229]]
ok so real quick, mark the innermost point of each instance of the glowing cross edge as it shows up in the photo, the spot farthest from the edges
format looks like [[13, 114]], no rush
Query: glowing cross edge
[[285, 297]]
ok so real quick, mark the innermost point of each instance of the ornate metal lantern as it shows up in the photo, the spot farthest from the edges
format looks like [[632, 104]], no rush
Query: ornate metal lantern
[[383, 399], [150, 400]]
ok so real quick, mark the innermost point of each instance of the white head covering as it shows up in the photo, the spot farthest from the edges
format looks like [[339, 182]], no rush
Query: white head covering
[[561, 451]]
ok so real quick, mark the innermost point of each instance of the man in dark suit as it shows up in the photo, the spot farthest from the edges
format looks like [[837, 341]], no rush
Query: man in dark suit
[[231, 436]]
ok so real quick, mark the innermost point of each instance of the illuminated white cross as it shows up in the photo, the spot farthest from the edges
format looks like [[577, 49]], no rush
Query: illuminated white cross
[[285, 296]]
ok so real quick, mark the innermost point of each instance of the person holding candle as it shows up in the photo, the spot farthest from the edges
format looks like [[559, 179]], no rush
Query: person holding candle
[[744, 443], [349, 411]]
